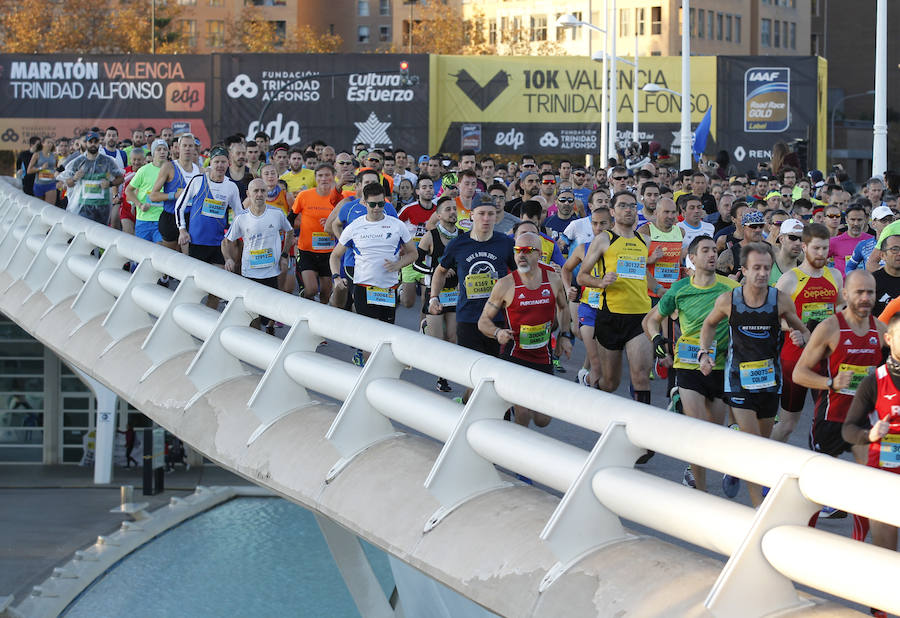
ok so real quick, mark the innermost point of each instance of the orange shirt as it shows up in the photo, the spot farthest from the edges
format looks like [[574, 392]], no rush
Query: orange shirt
[[313, 210], [889, 311]]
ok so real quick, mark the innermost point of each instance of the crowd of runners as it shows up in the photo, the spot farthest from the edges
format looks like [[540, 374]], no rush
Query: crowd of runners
[[747, 290]]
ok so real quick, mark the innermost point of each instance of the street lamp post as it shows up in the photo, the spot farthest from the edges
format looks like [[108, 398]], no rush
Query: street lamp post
[[686, 162], [834, 109], [613, 86], [879, 127], [570, 21], [598, 56], [651, 87]]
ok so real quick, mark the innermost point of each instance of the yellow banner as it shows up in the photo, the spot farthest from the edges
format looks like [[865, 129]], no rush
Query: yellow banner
[[560, 90]]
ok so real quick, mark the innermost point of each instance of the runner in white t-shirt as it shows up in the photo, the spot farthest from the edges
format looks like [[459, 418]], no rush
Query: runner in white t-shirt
[[382, 247]]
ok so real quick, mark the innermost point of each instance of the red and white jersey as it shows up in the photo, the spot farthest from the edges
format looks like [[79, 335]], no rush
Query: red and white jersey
[[860, 354], [530, 317], [885, 453]]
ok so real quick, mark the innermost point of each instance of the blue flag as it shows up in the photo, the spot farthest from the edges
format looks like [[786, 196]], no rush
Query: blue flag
[[701, 134]]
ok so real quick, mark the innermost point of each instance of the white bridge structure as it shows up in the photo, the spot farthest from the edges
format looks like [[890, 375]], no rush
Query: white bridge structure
[[440, 502]]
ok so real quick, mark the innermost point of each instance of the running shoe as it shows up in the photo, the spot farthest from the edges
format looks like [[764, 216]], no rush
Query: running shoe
[[731, 485], [557, 366], [675, 401], [423, 325], [582, 377], [645, 457], [443, 385], [829, 512], [358, 359], [688, 477]]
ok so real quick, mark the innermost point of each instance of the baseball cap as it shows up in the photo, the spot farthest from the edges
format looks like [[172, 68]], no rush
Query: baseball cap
[[157, 143], [764, 177], [815, 176], [791, 226], [753, 216], [218, 151], [881, 212], [423, 159], [92, 135], [483, 200], [772, 194], [523, 175]]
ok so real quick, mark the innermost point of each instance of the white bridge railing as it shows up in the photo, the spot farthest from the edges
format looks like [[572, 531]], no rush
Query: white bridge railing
[[767, 550]]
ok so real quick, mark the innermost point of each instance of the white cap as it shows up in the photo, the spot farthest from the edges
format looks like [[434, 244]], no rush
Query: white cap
[[881, 212], [791, 226]]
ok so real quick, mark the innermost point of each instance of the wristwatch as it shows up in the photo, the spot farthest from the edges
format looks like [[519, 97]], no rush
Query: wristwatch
[[830, 384]]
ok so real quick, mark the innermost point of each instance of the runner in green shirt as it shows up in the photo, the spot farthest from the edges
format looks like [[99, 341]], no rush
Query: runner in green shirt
[[694, 298], [147, 213]]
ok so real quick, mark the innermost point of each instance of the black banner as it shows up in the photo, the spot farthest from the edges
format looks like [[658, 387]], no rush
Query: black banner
[[763, 100], [340, 99]]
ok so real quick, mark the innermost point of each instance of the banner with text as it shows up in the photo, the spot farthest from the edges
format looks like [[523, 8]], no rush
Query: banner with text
[[64, 94], [766, 100], [340, 99], [507, 104]]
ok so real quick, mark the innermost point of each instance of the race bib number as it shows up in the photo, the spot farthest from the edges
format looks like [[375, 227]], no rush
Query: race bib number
[[465, 225], [381, 297], [93, 190], [890, 451], [262, 258], [448, 297], [322, 241], [859, 372], [46, 175], [758, 374], [534, 337], [479, 285], [816, 311], [594, 298], [213, 208], [666, 272], [632, 268], [689, 348]]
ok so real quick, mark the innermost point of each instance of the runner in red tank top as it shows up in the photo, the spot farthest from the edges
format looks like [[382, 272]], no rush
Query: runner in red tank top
[[877, 403], [850, 342], [816, 291], [532, 295]]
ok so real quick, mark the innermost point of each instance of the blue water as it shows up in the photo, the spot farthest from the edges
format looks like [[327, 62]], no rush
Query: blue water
[[248, 557]]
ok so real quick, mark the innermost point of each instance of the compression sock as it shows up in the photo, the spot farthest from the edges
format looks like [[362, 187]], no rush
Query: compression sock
[[642, 396]]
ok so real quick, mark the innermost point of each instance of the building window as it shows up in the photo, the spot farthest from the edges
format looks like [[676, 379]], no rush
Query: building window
[[737, 29], [656, 20], [280, 28], [719, 19], [816, 44], [187, 2], [572, 34], [727, 27], [765, 33], [362, 34], [639, 16], [189, 31], [384, 7], [362, 8], [624, 22], [384, 34], [710, 25], [539, 28], [793, 35], [784, 34], [814, 7], [701, 23], [215, 33], [776, 35], [492, 32], [693, 27]]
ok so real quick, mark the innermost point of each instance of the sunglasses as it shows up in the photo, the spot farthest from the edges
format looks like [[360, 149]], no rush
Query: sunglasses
[[375, 159], [620, 177], [833, 216], [565, 200], [375, 204], [548, 181], [530, 250], [344, 162], [578, 173], [529, 165], [756, 226]]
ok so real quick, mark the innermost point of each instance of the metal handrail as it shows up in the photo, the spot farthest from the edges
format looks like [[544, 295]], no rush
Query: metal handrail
[[46, 247]]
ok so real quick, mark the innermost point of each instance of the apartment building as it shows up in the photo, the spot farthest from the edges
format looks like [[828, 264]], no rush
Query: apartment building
[[718, 27], [363, 25]]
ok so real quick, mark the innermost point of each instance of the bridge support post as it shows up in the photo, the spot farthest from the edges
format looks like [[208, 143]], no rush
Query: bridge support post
[[106, 428], [355, 568]]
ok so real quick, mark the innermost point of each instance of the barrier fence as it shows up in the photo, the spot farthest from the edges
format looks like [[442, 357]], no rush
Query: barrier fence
[[768, 550]]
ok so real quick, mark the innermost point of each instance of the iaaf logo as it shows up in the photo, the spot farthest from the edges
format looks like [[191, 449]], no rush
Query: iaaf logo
[[513, 138], [374, 87], [764, 76]]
